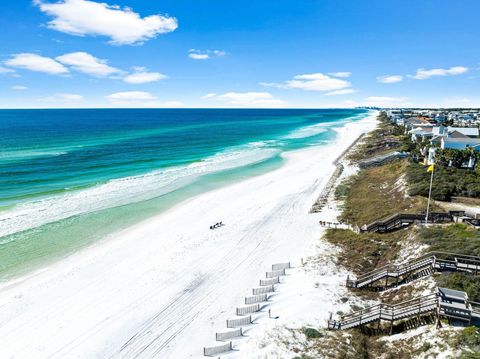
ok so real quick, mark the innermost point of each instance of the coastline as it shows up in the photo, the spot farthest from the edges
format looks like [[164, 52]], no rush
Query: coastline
[[63, 224], [164, 285]]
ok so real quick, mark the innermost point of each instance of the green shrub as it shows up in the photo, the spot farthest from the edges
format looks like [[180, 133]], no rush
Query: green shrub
[[469, 338], [470, 355], [468, 283], [312, 333], [456, 238], [447, 182]]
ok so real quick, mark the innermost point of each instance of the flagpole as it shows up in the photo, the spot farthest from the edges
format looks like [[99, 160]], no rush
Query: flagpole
[[429, 196]]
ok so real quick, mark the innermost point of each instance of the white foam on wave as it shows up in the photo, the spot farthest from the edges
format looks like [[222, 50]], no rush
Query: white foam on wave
[[308, 131], [127, 190], [314, 130], [27, 154]]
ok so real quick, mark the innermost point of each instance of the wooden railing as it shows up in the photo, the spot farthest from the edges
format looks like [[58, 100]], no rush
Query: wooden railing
[[398, 220], [387, 312], [436, 261], [446, 303], [380, 160]]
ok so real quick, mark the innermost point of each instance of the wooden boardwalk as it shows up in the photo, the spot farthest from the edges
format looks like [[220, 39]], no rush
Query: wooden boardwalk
[[393, 275], [323, 197], [400, 220], [382, 159], [446, 303]]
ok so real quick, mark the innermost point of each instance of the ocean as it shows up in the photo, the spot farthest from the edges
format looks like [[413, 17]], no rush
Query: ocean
[[69, 178]]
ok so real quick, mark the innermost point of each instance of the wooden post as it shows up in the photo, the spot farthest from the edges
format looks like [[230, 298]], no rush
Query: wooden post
[[439, 324], [429, 196], [418, 314]]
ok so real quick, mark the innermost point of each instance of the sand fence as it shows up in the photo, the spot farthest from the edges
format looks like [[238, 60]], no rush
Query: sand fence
[[233, 323], [217, 349], [222, 336], [256, 298], [252, 305]]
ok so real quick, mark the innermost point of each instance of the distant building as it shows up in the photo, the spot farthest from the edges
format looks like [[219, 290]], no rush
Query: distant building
[[413, 122]]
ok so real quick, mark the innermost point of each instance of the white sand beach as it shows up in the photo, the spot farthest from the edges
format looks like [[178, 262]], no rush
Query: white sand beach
[[164, 287]]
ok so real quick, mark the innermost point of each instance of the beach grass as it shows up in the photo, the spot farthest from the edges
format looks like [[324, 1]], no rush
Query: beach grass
[[364, 252], [376, 193], [374, 144]]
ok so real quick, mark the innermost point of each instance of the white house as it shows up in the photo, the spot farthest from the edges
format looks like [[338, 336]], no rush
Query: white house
[[445, 131], [421, 133], [460, 143], [467, 131]]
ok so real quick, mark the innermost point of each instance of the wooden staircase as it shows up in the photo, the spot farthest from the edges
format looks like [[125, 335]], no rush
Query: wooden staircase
[[445, 303], [394, 275]]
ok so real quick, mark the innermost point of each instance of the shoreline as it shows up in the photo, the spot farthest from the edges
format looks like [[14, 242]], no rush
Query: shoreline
[[171, 274]]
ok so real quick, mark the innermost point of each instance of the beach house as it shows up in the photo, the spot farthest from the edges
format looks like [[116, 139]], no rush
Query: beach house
[[442, 133]]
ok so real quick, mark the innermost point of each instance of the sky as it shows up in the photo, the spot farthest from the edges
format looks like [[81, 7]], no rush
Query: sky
[[236, 54]]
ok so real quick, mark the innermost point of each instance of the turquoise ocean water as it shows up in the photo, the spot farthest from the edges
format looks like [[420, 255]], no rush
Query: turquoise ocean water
[[71, 177]]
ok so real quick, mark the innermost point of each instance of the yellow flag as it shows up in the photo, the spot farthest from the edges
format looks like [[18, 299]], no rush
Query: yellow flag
[[430, 168]]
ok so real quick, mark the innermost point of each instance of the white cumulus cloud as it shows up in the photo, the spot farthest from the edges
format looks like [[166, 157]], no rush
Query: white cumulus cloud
[[122, 25], [248, 99], [82, 62], [341, 74], [4, 70], [87, 64], [340, 92], [423, 74], [139, 99], [385, 101], [390, 79], [19, 88], [312, 82], [142, 76], [34, 62], [199, 56], [62, 97], [131, 95], [205, 54]]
